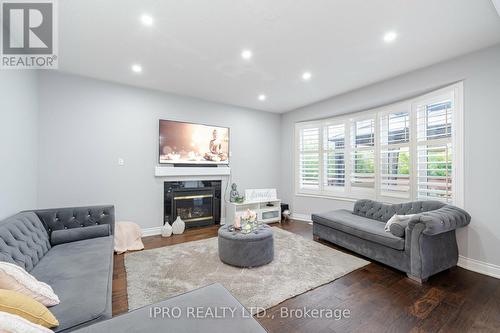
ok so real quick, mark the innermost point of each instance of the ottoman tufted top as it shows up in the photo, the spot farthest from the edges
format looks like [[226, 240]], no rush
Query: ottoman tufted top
[[263, 232]]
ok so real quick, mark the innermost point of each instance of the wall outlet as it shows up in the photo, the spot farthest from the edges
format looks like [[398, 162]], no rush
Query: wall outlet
[[121, 162]]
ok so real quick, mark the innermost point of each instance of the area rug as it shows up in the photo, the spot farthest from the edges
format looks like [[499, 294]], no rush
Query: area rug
[[299, 265]]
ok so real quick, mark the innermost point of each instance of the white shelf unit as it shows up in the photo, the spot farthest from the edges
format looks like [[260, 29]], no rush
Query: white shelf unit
[[267, 211]]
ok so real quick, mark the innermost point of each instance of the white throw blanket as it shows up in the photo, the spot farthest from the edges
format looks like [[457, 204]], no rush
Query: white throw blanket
[[128, 237]]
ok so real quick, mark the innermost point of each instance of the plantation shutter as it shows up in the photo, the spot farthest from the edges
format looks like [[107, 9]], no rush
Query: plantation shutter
[[334, 157], [410, 150], [363, 154], [395, 155], [309, 157], [434, 149]]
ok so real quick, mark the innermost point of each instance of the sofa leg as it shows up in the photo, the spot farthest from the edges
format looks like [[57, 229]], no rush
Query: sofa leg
[[416, 279], [316, 238]]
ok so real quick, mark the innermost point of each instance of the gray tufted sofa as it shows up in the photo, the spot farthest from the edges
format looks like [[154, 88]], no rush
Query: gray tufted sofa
[[71, 249], [426, 246]]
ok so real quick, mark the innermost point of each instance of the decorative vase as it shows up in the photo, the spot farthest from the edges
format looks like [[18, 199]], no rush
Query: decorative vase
[[247, 226], [166, 230], [178, 226]]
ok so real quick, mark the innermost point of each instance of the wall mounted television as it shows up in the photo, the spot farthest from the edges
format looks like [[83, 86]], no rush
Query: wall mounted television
[[183, 143]]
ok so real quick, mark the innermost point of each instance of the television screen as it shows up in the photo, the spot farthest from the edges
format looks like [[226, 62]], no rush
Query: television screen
[[186, 143]]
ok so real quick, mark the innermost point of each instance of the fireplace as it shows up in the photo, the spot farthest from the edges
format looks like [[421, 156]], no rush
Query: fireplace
[[198, 203]]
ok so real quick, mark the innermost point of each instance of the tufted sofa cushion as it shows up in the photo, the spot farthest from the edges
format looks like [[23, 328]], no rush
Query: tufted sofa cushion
[[383, 212], [23, 240], [76, 217]]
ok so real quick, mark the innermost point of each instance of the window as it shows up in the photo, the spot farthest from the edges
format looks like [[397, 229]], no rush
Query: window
[[395, 154], [309, 165], [435, 161], [363, 154], [407, 151], [334, 157]]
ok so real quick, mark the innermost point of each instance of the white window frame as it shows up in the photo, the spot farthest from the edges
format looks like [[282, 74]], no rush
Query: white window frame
[[331, 190], [393, 108], [357, 192], [347, 192], [310, 124]]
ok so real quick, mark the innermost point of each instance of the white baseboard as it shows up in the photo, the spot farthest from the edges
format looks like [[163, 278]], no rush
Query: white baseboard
[[157, 230], [479, 266], [151, 231], [301, 217]]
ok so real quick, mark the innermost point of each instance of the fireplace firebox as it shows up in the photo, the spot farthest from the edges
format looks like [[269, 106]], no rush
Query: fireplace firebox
[[198, 203]]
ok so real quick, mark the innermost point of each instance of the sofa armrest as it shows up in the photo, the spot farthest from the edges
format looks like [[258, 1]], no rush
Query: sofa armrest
[[431, 242], [76, 217], [441, 220]]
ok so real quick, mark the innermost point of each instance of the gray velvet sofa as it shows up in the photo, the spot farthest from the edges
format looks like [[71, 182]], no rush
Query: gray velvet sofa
[[426, 246], [71, 249]]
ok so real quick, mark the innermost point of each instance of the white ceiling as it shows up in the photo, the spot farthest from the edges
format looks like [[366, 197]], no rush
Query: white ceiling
[[193, 48]]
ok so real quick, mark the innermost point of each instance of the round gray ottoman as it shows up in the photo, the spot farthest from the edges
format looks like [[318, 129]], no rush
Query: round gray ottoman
[[246, 250]]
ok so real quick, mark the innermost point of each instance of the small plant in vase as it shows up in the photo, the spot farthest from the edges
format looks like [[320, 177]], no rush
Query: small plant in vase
[[248, 221]]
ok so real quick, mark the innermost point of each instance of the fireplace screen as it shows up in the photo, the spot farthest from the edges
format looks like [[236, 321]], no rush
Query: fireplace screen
[[197, 202], [193, 206]]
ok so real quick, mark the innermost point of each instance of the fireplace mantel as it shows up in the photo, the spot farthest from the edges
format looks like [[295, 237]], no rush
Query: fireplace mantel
[[170, 171]]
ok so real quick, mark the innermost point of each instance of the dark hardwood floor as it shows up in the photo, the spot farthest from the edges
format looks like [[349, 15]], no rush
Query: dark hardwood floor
[[378, 298]]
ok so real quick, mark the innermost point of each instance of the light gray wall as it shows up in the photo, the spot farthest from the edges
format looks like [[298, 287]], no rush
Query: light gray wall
[[18, 141], [86, 125], [481, 74]]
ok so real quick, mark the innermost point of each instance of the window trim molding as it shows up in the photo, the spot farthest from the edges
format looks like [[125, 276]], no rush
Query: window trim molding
[[458, 144], [458, 140]]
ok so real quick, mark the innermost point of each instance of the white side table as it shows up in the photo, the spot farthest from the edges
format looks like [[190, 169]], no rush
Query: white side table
[[267, 211]]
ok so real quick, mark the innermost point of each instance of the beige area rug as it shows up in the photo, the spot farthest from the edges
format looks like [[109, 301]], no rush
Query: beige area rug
[[299, 265]]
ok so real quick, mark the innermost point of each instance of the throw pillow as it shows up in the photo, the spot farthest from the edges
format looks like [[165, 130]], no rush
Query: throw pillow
[[393, 219], [77, 234], [14, 324], [397, 224], [13, 277], [24, 306], [398, 228]]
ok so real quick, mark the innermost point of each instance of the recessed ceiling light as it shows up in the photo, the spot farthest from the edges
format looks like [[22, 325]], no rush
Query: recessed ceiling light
[[262, 97], [246, 54], [390, 36], [136, 68], [306, 76], [147, 20]]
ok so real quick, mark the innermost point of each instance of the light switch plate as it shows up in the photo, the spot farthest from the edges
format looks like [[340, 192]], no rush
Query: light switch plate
[[121, 162]]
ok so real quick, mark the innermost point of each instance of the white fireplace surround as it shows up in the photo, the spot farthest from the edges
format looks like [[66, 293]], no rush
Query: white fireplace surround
[[170, 173]]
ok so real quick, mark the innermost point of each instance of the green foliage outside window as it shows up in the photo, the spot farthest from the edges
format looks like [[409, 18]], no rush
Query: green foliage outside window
[[439, 163]]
